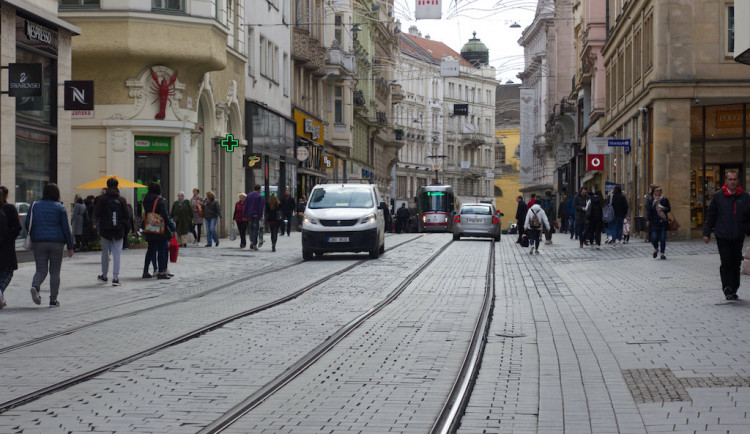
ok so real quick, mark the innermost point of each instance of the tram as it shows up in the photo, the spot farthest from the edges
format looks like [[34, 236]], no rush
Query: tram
[[436, 206]]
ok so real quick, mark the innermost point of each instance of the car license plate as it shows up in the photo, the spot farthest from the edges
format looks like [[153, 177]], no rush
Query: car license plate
[[338, 239], [474, 220]]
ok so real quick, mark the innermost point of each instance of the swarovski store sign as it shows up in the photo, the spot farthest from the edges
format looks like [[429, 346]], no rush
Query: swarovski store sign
[[24, 79]]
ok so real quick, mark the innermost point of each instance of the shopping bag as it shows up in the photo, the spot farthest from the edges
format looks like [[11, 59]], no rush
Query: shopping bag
[[746, 262], [174, 248], [232, 233]]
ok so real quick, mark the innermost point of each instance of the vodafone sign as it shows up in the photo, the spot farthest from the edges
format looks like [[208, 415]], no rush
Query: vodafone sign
[[595, 162]]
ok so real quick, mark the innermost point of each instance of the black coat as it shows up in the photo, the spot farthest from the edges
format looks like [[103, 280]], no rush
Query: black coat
[[8, 260], [579, 202], [652, 217], [594, 213], [620, 205], [728, 216], [521, 213]]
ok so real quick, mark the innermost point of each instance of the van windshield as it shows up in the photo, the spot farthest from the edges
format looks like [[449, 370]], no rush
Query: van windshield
[[340, 198]]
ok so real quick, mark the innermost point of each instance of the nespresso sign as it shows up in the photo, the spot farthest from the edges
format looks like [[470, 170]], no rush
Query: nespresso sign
[[36, 35]]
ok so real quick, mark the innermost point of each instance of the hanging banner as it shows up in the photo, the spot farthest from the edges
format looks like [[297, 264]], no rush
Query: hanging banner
[[595, 162], [428, 9], [526, 146]]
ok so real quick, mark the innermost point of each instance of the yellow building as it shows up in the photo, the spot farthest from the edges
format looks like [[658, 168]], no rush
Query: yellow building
[[507, 183]]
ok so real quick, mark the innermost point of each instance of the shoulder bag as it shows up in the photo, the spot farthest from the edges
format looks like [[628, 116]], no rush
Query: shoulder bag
[[27, 243], [154, 223], [673, 224]]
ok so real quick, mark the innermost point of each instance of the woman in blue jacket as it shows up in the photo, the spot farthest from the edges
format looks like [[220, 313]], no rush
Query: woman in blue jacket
[[158, 244], [47, 223]]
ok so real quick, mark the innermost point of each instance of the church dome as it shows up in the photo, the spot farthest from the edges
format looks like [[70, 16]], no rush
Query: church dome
[[476, 52]]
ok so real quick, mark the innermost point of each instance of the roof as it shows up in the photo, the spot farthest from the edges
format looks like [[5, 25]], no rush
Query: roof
[[428, 50]]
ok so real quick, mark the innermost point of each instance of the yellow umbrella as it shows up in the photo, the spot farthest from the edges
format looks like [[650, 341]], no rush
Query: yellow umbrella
[[102, 183]]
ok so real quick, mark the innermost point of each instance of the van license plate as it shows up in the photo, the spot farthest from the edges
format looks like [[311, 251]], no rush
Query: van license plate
[[338, 239]]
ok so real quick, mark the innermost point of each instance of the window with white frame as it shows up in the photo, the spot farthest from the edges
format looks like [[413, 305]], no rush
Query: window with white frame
[[338, 28], [69, 4], [275, 63], [251, 52], [168, 5], [262, 55], [285, 78], [730, 28], [338, 104]]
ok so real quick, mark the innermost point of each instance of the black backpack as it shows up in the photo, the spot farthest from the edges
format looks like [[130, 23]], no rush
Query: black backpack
[[113, 220]]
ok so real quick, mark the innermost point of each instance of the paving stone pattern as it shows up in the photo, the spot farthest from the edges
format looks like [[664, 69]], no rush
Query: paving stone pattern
[[189, 385], [394, 373]]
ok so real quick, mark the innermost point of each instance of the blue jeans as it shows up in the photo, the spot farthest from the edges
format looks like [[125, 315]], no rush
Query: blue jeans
[[659, 238], [253, 228], [211, 231], [572, 226]]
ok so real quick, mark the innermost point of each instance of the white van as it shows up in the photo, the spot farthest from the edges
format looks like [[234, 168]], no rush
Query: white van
[[344, 218]]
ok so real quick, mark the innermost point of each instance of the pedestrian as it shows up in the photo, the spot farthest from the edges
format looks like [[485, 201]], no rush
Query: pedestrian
[[562, 214], [536, 222], [657, 209], [548, 206], [625, 230], [111, 215], [158, 243], [78, 219], [195, 227], [531, 201], [10, 227], [47, 223], [253, 211], [274, 217], [521, 211], [287, 209], [241, 221], [572, 217], [620, 206], [182, 214], [595, 220], [646, 199], [130, 226], [609, 226], [579, 205], [727, 217], [212, 214], [301, 205], [402, 217]]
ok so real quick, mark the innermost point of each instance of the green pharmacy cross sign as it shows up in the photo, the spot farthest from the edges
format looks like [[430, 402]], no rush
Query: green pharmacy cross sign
[[229, 143]]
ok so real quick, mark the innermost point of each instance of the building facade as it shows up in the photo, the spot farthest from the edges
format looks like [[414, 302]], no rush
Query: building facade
[[684, 107], [35, 137], [169, 80], [507, 162]]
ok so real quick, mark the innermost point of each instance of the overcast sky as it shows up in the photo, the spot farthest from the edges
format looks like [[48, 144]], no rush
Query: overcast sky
[[491, 19]]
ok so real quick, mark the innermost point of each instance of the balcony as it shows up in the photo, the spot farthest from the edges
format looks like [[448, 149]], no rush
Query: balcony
[[397, 94], [472, 139], [339, 62], [308, 51]]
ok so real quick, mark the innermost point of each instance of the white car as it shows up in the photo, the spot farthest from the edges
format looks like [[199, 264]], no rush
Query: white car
[[344, 218]]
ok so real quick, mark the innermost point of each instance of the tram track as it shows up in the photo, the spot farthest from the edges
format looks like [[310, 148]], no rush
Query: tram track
[[450, 414], [61, 385], [225, 285]]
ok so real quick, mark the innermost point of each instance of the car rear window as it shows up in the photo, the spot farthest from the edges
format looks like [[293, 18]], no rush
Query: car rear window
[[479, 210], [341, 198]]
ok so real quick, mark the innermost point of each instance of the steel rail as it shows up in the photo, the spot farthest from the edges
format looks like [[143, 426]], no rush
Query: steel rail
[[247, 405], [70, 330], [64, 384], [449, 418]]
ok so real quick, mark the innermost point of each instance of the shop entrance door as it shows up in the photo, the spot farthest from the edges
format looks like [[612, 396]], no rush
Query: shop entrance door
[[151, 168]]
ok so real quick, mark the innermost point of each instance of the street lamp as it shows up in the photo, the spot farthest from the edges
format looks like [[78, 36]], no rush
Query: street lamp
[[436, 161]]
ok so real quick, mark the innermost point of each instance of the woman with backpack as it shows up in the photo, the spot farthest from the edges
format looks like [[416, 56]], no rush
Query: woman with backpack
[[657, 209], [47, 223], [536, 222]]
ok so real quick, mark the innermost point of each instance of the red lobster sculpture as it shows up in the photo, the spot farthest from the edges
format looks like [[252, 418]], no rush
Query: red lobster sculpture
[[163, 89]]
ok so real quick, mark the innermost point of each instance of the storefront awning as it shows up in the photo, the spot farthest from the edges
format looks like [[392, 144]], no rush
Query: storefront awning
[[589, 175], [50, 19]]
